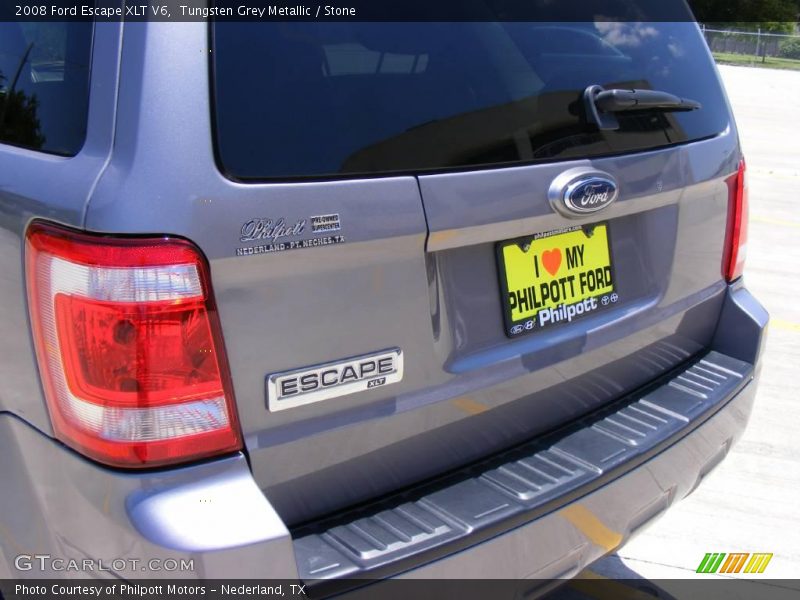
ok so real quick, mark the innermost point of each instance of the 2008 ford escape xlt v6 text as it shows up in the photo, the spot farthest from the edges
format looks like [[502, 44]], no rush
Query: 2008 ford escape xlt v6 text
[[326, 301]]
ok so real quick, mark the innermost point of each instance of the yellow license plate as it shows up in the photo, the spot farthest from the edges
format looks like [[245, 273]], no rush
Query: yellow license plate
[[556, 277]]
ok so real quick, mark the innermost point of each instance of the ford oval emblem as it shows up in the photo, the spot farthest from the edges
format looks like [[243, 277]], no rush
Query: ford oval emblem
[[577, 193]]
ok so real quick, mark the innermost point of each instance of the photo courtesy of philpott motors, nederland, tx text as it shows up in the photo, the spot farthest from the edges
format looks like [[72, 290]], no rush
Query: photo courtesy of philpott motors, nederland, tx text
[[558, 276]]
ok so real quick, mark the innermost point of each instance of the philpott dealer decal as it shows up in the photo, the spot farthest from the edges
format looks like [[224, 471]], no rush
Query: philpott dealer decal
[[280, 234]]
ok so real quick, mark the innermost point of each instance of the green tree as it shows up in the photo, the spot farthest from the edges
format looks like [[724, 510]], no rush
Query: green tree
[[778, 16], [19, 123]]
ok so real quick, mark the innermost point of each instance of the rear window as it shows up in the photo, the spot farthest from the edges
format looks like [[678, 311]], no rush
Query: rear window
[[44, 85], [326, 99]]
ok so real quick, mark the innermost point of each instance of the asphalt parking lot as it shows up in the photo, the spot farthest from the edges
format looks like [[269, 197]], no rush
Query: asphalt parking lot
[[749, 503]]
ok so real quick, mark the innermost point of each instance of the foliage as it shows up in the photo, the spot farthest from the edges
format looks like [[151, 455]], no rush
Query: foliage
[[774, 16], [790, 48], [770, 62], [19, 123]]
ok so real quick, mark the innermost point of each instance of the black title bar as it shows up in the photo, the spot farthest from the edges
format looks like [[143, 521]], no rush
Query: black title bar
[[394, 10]]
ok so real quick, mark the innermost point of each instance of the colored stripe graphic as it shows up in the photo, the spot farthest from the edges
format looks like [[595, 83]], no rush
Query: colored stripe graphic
[[734, 562], [712, 562], [758, 563]]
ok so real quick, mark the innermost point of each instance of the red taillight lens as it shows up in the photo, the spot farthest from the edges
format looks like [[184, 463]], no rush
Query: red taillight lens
[[736, 236], [129, 347]]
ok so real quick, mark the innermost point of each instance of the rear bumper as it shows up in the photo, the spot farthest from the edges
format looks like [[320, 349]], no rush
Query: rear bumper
[[498, 521], [585, 530], [549, 510]]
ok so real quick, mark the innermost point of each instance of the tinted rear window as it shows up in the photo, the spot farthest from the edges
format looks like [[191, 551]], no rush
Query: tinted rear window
[[320, 99], [44, 85]]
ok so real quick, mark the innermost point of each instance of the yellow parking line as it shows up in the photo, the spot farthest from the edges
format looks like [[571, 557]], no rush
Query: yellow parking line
[[589, 574], [784, 325], [592, 527], [469, 406], [771, 221]]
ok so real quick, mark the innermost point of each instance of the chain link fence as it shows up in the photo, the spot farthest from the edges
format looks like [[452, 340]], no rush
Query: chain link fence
[[755, 43]]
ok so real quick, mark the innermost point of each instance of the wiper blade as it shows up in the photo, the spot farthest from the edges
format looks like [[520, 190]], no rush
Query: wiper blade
[[600, 104], [622, 100]]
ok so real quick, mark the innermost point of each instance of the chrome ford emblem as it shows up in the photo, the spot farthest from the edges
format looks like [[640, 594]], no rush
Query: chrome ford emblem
[[578, 192]]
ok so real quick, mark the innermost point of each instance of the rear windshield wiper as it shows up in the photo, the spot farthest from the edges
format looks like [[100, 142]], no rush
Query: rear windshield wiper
[[601, 104]]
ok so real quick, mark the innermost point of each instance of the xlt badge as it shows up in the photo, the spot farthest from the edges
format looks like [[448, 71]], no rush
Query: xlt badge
[[322, 382]]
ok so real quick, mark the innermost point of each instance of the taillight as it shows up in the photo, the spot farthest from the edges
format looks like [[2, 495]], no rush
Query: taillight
[[129, 347], [736, 235]]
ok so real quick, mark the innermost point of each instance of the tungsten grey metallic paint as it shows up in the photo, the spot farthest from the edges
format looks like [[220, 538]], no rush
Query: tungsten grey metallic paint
[[416, 271]]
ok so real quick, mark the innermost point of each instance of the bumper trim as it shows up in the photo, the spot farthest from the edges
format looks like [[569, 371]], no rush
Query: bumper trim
[[522, 485]]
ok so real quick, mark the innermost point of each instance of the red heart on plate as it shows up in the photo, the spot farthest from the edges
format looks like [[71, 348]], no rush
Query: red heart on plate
[[551, 260]]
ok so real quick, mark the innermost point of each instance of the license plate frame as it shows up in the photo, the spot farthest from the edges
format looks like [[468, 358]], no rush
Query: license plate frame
[[521, 313]]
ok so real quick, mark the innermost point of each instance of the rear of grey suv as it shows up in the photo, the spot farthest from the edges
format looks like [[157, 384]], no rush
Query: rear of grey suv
[[326, 301]]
